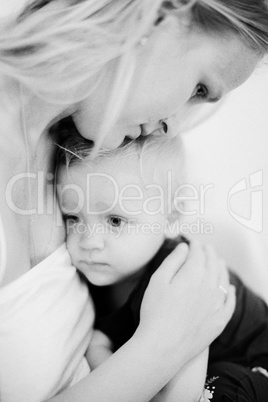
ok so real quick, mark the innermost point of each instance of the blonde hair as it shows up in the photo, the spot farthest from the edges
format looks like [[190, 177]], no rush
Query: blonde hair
[[59, 49], [155, 155], [249, 18]]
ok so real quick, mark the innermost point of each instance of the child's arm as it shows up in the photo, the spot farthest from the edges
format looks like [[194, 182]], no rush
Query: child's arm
[[188, 384], [100, 348]]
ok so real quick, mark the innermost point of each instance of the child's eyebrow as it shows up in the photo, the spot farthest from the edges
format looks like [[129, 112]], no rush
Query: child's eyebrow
[[69, 203], [104, 207], [104, 204]]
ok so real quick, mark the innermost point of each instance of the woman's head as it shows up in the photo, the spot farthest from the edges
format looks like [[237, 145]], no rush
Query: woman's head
[[137, 64], [192, 54]]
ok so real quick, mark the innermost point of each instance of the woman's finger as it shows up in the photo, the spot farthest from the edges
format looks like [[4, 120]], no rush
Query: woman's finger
[[224, 282], [174, 261], [196, 267], [217, 272], [216, 269], [230, 303]]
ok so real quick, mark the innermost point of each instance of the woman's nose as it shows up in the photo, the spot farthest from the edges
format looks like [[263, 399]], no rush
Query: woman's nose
[[172, 125], [167, 127], [92, 241]]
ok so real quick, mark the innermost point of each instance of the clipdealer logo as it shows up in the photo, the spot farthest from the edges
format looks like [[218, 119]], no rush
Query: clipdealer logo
[[252, 189]]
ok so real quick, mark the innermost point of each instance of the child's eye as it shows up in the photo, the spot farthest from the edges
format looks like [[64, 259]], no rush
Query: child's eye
[[200, 92], [115, 221]]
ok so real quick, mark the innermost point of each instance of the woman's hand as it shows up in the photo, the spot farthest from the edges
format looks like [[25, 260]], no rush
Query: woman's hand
[[185, 307], [183, 310]]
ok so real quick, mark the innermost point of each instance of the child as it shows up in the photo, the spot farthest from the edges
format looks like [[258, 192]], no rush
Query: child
[[121, 211]]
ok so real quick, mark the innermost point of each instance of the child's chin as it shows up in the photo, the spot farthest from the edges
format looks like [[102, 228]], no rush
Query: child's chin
[[100, 280]]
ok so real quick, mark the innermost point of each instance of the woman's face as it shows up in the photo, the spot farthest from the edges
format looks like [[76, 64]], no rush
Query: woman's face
[[175, 71]]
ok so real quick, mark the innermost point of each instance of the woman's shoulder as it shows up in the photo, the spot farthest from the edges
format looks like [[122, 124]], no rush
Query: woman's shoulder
[[10, 111]]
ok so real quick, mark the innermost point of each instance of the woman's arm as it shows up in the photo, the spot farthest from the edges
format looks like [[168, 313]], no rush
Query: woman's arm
[[99, 350], [188, 384], [182, 312], [133, 373]]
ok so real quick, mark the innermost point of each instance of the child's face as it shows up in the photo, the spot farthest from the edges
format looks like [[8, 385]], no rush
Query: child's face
[[117, 228]]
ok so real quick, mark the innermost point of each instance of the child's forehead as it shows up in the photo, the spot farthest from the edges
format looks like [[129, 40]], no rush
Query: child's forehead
[[111, 185], [120, 169]]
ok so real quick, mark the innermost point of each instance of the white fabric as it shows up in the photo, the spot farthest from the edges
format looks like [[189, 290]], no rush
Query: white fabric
[[46, 320]]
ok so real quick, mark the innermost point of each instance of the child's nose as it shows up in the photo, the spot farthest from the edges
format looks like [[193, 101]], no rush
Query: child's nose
[[92, 241]]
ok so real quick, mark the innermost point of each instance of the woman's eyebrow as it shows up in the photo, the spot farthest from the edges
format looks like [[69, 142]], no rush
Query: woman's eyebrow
[[217, 92], [214, 99]]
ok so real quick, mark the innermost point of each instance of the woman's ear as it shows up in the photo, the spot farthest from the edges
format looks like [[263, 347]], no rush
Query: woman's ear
[[178, 5], [179, 9], [185, 10], [187, 3]]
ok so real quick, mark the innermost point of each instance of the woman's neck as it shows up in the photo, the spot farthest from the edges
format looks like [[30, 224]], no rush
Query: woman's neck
[[37, 116], [24, 120]]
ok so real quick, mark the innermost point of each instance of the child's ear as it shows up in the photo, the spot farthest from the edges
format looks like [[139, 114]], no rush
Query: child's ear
[[172, 227]]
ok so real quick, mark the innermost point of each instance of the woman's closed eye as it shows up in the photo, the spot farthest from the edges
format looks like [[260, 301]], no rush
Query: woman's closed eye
[[200, 92]]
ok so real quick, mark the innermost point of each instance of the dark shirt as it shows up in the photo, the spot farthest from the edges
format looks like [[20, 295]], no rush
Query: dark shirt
[[243, 341]]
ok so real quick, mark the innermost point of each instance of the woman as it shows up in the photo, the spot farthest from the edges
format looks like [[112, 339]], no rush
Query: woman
[[120, 68]]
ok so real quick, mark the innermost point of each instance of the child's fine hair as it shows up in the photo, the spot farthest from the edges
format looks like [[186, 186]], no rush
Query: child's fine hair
[[160, 160]]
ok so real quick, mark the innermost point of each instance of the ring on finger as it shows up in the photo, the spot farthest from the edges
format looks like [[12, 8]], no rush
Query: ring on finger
[[224, 291]]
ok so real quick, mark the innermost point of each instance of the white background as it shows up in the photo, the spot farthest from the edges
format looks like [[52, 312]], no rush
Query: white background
[[228, 147]]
